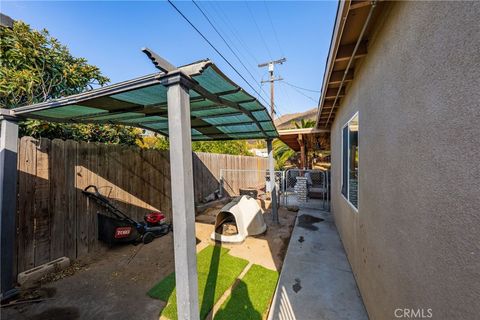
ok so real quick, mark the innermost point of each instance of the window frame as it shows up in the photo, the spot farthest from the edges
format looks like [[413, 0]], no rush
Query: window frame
[[346, 197]]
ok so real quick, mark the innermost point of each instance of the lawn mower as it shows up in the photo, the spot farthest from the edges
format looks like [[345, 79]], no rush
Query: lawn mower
[[118, 227]]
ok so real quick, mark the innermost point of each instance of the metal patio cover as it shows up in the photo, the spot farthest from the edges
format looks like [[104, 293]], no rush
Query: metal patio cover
[[219, 108]]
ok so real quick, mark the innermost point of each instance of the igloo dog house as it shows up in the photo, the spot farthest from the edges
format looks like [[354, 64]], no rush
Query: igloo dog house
[[247, 215]]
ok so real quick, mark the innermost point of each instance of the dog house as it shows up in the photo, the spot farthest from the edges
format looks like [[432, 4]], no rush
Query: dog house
[[243, 214]]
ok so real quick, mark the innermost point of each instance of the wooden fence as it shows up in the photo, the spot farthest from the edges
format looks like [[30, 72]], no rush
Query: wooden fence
[[55, 219]]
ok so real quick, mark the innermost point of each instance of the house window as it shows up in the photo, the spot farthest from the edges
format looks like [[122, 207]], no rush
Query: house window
[[350, 161]]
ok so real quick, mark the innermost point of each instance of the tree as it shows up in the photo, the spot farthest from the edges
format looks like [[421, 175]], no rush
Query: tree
[[82, 132], [305, 123], [35, 67], [234, 147], [284, 153]]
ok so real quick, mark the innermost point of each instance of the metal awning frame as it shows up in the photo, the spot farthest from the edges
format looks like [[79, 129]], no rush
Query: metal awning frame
[[164, 79]]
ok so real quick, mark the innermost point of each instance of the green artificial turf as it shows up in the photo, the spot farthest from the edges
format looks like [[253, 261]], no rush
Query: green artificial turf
[[251, 297], [217, 271]]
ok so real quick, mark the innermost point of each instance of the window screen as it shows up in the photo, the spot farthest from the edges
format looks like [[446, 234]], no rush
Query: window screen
[[345, 161], [350, 161]]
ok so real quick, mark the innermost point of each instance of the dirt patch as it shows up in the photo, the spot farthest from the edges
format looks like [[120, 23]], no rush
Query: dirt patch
[[58, 314], [293, 208], [306, 221], [228, 229], [60, 274], [208, 216], [282, 252]]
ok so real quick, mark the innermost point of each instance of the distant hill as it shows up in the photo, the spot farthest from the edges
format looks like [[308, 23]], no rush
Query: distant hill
[[286, 121]]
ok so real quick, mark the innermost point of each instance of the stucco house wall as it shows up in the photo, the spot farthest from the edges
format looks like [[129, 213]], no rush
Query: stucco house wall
[[415, 241]]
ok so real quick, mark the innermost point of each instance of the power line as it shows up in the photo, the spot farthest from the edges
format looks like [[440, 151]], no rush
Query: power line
[[225, 41], [223, 16], [221, 55], [303, 94], [242, 45], [305, 89], [278, 43], [216, 50], [258, 29], [273, 28], [231, 49]]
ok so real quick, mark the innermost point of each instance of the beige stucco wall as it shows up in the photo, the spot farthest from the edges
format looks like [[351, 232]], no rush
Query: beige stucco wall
[[415, 242]]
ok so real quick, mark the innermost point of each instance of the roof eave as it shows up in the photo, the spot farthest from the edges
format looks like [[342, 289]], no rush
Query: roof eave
[[342, 12]]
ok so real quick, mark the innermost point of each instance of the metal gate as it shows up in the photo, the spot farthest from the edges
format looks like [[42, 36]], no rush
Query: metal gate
[[317, 187], [232, 181]]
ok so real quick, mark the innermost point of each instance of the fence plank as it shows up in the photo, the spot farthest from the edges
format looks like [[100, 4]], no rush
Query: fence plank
[[81, 181], [104, 187], [167, 179], [163, 183], [42, 203], [26, 219], [58, 202], [92, 179], [70, 234]]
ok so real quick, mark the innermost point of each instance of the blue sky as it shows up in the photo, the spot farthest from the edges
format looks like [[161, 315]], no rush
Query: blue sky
[[110, 35]]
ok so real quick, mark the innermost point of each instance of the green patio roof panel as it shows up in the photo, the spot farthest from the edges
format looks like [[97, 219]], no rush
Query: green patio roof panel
[[237, 96], [111, 117], [261, 115], [161, 125], [241, 128], [156, 94], [252, 106], [67, 112], [267, 125], [144, 119], [219, 109], [202, 104], [214, 82], [224, 119]]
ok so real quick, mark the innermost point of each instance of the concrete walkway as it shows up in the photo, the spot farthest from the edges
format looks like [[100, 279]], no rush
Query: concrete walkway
[[316, 281]]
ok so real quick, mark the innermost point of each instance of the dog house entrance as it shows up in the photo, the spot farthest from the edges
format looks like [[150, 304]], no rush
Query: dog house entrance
[[226, 224]]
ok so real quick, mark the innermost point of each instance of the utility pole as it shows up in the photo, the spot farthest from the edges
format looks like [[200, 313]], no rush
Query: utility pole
[[271, 66], [271, 172]]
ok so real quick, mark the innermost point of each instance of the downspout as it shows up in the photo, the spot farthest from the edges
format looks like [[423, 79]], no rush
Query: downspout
[[360, 38]]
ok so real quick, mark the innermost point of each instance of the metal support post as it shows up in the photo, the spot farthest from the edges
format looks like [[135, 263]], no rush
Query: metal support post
[[8, 200], [273, 185], [183, 207]]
